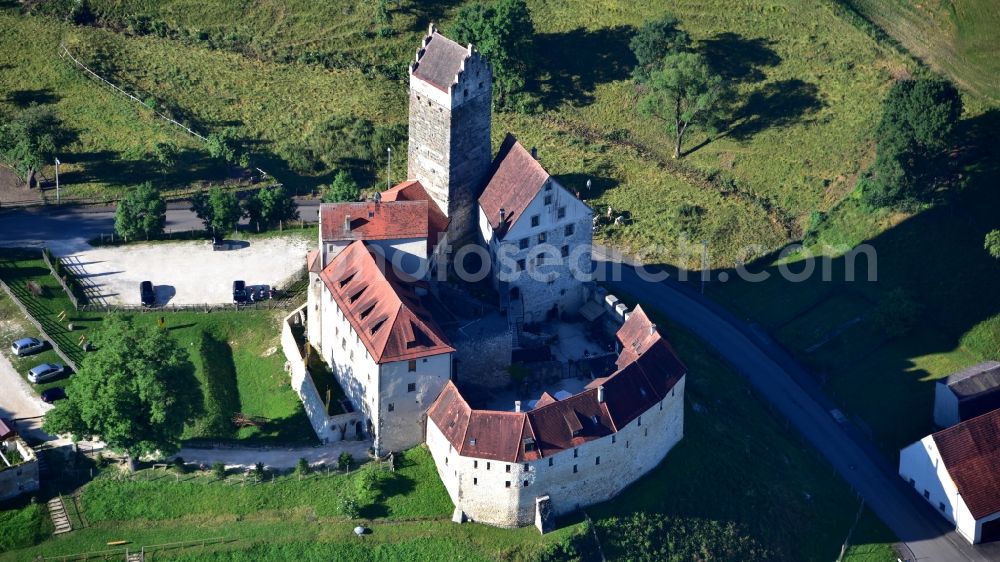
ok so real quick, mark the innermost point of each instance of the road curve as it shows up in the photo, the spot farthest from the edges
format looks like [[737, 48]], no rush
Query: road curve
[[908, 516]]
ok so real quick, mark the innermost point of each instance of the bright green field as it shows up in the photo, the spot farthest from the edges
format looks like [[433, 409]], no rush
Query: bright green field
[[957, 37]]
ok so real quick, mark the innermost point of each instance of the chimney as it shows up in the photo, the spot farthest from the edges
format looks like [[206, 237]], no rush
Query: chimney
[[534, 152], [652, 329], [517, 405], [600, 394], [347, 223], [503, 214]]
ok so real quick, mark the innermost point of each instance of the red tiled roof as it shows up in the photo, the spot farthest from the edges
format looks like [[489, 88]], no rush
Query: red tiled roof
[[374, 221], [413, 190], [440, 61], [385, 311], [556, 425], [515, 180], [312, 262], [971, 453]]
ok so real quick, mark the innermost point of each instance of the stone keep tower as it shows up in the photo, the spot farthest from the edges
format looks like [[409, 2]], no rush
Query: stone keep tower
[[451, 89]]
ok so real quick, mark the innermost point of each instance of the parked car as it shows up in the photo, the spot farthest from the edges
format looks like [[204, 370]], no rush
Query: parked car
[[259, 293], [45, 372], [146, 294], [52, 394], [240, 292], [26, 346]]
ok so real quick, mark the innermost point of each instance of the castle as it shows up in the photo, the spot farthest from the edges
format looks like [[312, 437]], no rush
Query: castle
[[371, 314]]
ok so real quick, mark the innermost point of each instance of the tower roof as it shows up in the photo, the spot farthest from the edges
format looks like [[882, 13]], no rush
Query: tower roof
[[386, 313], [439, 60]]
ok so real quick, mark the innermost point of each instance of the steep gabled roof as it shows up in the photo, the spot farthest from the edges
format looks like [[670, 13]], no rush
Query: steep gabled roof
[[413, 190], [971, 452], [385, 311], [515, 180], [439, 60], [374, 221], [646, 378]]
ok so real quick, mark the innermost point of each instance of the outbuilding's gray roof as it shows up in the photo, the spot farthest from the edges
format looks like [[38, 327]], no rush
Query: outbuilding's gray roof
[[977, 380]]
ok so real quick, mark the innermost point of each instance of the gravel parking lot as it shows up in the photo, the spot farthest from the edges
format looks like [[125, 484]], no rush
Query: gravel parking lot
[[185, 272]]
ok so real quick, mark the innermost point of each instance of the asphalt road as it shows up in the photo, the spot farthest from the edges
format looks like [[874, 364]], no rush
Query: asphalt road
[[33, 226], [778, 379]]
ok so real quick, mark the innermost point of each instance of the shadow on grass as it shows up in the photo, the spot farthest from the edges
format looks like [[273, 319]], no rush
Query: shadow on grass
[[26, 98], [739, 59], [110, 168], [577, 183], [776, 105], [572, 64]]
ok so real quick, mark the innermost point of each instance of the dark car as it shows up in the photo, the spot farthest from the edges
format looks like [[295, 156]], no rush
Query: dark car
[[52, 394], [146, 294], [240, 292]]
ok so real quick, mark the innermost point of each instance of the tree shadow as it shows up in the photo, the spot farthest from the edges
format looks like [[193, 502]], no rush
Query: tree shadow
[[776, 104], [570, 65], [26, 98], [737, 58], [577, 183], [426, 12]]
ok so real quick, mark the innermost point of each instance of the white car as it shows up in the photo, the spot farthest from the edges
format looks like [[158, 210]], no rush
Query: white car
[[26, 346], [45, 372]]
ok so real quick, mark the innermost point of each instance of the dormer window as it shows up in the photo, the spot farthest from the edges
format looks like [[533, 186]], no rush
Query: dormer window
[[377, 325]]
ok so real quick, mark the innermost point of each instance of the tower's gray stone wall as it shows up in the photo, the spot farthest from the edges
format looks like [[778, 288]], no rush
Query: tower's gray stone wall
[[449, 148]]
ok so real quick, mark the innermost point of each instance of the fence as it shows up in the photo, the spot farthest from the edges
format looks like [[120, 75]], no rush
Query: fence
[[54, 270], [144, 551], [37, 325]]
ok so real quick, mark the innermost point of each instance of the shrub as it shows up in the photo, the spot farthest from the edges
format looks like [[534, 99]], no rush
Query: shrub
[[992, 243], [219, 470], [342, 188], [366, 488], [344, 461], [302, 467], [179, 466], [662, 538], [897, 313], [348, 505]]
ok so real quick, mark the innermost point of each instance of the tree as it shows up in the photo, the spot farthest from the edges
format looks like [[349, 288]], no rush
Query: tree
[[224, 145], [30, 140], [342, 188], [219, 210], [142, 214], [166, 155], [135, 392], [504, 33], [653, 42], [992, 243], [684, 94], [270, 206], [917, 124]]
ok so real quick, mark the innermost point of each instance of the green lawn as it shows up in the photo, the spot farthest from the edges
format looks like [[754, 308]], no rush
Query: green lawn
[[956, 37], [237, 355]]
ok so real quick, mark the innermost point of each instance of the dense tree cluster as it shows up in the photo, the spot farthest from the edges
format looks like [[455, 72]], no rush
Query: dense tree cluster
[[343, 188], [918, 119], [142, 214], [29, 140], [219, 210], [269, 207], [504, 33], [135, 392]]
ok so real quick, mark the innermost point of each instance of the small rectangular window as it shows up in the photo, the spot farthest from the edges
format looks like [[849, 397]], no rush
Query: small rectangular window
[[536, 220], [412, 366], [525, 483], [487, 466], [508, 468], [564, 251], [574, 469], [640, 422], [475, 481], [523, 243], [941, 507], [613, 439], [526, 467], [520, 265], [561, 213], [927, 494], [570, 229], [541, 238], [475, 464], [550, 461], [576, 453], [412, 387], [391, 406], [597, 460], [506, 484]]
